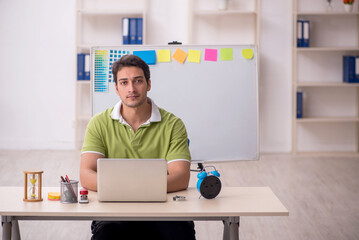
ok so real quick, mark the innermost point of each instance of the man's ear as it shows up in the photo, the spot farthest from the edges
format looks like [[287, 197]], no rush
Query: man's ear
[[117, 90], [149, 85]]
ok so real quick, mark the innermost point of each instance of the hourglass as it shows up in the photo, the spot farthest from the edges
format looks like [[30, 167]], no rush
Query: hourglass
[[32, 186]]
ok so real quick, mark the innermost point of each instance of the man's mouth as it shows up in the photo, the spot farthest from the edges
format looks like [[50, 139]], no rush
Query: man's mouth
[[132, 96]]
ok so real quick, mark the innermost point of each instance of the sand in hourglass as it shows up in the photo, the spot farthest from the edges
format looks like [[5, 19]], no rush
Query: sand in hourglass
[[33, 181]]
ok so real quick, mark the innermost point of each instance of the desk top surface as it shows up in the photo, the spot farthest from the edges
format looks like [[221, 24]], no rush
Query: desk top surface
[[231, 201]]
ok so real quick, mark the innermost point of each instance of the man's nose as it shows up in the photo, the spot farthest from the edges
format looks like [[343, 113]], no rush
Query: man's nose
[[131, 87]]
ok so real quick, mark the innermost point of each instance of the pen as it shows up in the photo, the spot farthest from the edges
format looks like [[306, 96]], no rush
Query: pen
[[67, 178], [70, 186], [62, 179]]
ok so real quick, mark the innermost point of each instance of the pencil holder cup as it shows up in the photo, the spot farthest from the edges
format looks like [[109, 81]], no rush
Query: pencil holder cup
[[69, 191]]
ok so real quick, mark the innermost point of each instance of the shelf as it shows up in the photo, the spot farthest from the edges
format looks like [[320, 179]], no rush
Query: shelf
[[330, 106], [326, 84], [88, 46], [328, 120], [222, 13], [238, 24], [327, 14], [83, 82], [94, 12], [326, 49]]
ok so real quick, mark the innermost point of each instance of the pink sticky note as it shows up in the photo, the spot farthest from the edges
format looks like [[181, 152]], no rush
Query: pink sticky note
[[210, 54]]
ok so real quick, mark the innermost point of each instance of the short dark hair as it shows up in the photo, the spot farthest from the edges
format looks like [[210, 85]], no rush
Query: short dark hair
[[130, 61]]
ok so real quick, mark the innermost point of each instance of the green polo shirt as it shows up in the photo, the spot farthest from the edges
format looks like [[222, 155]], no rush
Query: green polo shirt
[[162, 136]]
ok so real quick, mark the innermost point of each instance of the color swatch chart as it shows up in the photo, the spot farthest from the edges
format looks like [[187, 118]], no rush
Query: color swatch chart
[[100, 71]]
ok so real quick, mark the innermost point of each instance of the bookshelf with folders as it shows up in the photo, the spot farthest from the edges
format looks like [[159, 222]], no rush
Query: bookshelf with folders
[[325, 98], [102, 23], [223, 22]]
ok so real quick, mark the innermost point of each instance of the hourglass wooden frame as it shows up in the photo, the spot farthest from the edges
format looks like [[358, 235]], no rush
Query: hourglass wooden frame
[[38, 197]]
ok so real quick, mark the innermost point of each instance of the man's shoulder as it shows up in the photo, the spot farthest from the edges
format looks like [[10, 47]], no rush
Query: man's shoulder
[[167, 116], [104, 116]]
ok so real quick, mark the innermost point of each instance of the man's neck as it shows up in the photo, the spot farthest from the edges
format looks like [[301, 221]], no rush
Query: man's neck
[[135, 117]]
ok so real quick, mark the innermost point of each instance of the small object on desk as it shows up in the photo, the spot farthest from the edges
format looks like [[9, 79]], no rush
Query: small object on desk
[[68, 189], [83, 196], [54, 196], [34, 180], [179, 198], [208, 183]]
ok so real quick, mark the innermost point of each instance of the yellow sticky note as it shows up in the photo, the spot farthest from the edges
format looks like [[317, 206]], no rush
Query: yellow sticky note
[[194, 56], [226, 54], [180, 55], [247, 53], [164, 55]]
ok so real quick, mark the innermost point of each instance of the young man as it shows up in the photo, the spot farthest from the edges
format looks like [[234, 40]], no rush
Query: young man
[[136, 128]]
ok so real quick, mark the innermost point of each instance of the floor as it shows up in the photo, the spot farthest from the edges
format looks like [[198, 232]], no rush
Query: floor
[[321, 194]]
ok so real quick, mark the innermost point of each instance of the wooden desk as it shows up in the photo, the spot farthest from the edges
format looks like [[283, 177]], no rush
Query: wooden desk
[[231, 204]]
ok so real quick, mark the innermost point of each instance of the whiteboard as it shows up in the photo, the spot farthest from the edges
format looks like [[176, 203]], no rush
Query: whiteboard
[[216, 100]]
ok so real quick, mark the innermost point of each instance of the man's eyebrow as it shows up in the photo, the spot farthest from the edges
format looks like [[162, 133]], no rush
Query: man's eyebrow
[[124, 78]]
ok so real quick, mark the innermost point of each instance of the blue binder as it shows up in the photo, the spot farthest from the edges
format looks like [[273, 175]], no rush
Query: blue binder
[[306, 33], [299, 104], [80, 66], [356, 69], [132, 32], [299, 33], [125, 30], [139, 31], [349, 75]]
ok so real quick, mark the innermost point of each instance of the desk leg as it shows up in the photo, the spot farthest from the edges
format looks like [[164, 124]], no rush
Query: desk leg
[[15, 230], [6, 227], [231, 228]]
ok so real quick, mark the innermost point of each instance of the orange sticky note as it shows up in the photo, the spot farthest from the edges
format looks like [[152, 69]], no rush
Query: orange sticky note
[[194, 56], [164, 55], [180, 55]]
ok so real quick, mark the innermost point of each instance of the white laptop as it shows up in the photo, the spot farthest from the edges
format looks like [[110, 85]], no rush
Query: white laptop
[[132, 180]]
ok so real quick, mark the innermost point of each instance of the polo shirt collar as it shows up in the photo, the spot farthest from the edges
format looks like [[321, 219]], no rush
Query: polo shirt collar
[[155, 113]]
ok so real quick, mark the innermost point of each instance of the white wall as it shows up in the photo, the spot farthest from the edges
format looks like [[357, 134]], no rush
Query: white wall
[[37, 72], [38, 68]]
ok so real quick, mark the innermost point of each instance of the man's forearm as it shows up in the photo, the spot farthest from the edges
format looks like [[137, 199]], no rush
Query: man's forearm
[[177, 181], [88, 179]]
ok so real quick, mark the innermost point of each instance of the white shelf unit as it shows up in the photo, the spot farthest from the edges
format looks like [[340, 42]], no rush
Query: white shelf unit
[[330, 122], [238, 24], [99, 23]]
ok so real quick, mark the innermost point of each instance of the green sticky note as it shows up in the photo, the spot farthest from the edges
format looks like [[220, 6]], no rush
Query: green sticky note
[[247, 53], [226, 54], [194, 56], [164, 55]]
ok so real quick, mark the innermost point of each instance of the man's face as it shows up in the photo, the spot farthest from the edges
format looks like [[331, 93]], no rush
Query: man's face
[[132, 87]]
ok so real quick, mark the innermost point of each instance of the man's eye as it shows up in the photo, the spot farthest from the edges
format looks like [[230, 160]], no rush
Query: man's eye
[[123, 83]]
